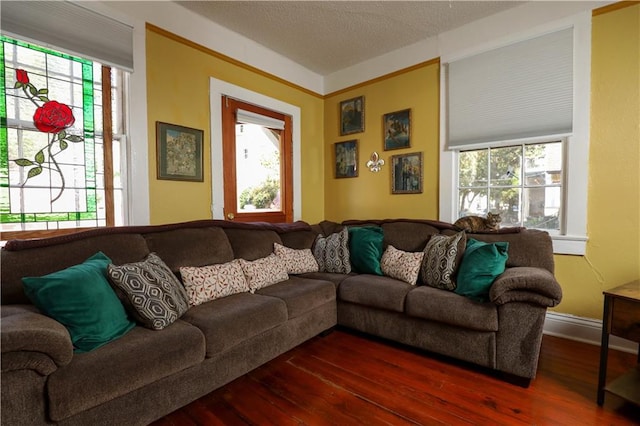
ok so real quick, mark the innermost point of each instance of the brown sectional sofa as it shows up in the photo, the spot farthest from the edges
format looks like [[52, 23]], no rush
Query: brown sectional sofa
[[146, 374]]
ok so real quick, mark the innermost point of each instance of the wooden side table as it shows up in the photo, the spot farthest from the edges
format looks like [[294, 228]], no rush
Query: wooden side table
[[621, 317]]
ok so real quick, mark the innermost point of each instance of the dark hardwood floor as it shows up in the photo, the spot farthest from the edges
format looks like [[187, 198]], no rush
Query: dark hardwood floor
[[346, 378]]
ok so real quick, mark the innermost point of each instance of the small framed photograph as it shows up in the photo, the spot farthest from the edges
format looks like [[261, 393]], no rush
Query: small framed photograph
[[179, 152], [352, 116], [346, 159], [406, 173], [397, 129]]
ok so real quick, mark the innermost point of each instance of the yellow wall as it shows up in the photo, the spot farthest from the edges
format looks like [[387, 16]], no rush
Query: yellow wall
[[613, 214], [369, 195], [178, 73], [178, 84]]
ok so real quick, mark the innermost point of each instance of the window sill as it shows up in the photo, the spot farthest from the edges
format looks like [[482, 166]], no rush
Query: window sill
[[569, 244]]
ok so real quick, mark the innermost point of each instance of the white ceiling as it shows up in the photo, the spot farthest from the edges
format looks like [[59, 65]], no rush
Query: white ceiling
[[327, 36]]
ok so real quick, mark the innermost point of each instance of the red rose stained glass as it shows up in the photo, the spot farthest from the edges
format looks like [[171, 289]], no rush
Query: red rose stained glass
[[53, 117], [50, 117]]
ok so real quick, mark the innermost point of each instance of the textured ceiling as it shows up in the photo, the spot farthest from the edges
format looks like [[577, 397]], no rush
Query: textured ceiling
[[326, 36]]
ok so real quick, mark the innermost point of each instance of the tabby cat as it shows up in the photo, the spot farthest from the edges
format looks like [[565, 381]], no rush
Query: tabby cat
[[479, 223]]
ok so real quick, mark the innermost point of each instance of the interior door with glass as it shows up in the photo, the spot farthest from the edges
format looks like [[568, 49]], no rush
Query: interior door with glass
[[257, 158]]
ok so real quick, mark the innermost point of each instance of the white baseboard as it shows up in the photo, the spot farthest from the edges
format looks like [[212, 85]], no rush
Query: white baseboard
[[585, 330]]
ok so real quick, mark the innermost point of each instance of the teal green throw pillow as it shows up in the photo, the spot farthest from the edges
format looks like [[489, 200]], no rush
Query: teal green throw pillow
[[365, 248], [481, 264], [81, 299]]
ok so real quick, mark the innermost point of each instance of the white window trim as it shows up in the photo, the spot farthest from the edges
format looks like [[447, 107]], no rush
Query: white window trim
[[574, 240], [217, 90]]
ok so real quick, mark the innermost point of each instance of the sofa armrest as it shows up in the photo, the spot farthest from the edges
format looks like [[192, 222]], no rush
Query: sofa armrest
[[526, 284], [30, 340]]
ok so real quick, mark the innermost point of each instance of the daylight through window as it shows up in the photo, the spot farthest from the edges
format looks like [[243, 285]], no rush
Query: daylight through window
[[524, 183], [59, 159]]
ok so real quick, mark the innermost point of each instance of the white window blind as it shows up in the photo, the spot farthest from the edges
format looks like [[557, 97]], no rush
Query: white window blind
[[514, 92], [248, 117], [70, 28]]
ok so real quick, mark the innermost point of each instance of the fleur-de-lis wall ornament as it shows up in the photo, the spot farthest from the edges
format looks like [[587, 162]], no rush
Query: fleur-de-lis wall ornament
[[375, 163], [50, 117]]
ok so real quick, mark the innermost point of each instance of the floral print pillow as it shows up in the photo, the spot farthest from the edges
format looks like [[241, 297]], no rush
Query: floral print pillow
[[401, 265], [296, 261], [264, 272], [213, 281]]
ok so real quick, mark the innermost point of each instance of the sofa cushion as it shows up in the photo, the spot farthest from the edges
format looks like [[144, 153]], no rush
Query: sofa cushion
[[297, 261], [150, 291], [481, 264], [298, 239], [527, 247], [231, 320], [301, 294], [442, 259], [448, 307], [141, 357], [213, 281], [332, 252], [50, 257], [336, 279], [264, 272], [402, 265], [365, 249], [252, 244], [408, 235], [80, 298], [190, 247], [375, 291]]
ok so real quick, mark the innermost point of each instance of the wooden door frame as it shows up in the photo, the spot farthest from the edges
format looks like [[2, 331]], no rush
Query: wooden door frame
[[229, 107]]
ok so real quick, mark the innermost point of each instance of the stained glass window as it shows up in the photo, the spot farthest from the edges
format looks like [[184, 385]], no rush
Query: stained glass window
[[51, 140]]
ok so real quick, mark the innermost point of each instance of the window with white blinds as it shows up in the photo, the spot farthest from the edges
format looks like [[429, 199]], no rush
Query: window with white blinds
[[523, 90], [71, 28]]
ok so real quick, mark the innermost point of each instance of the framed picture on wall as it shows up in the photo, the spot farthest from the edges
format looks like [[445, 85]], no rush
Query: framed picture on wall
[[406, 173], [179, 152], [397, 129], [352, 116], [346, 159]]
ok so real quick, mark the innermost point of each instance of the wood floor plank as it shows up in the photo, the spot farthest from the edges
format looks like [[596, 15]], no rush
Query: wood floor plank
[[347, 378], [448, 389], [326, 399], [400, 399]]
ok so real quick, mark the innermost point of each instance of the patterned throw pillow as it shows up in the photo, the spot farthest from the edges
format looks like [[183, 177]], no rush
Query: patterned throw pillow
[[296, 261], [213, 281], [150, 291], [264, 272], [442, 258], [401, 265], [332, 252]]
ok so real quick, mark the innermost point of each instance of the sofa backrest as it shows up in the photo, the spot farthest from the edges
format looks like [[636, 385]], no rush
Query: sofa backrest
[[195, 243], [207, 242], [33, 258], [527, 247], [190, 246], [408, 236], [262, 242]]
